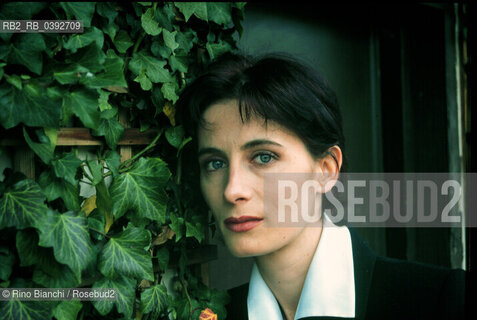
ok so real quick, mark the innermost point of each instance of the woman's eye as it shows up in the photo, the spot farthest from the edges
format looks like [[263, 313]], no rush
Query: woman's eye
[[214, 165], [264, 158]]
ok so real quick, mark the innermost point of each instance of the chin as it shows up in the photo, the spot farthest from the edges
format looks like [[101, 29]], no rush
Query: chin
[[238, 253], [242, 249]]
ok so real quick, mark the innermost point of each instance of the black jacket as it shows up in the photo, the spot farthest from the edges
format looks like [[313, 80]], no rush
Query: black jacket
[[389, 289]]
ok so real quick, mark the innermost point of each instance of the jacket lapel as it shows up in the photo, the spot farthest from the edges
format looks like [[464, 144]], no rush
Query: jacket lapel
[[363, 260]]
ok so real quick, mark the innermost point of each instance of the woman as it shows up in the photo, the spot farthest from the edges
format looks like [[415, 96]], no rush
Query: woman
[[252, 118]]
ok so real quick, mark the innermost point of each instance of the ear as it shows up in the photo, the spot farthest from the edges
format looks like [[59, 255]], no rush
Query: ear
[[328, 168]]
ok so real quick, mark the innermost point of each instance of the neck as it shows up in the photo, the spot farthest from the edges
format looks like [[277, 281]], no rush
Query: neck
[[285, 270]]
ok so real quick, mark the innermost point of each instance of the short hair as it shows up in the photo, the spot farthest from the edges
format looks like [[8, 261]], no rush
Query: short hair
[[275, 87]]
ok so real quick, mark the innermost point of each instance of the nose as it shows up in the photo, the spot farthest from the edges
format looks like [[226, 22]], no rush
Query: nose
[[238, 189]]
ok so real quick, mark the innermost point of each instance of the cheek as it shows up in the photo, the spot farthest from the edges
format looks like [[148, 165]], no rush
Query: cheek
[[210, 192], [284, 234]]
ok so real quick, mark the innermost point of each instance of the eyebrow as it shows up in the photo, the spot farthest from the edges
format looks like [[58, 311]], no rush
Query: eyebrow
[[259, 142], [207, 150], [248, 145]]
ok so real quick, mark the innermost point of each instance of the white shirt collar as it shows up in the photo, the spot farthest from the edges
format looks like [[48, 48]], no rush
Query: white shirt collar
[[329, 284]]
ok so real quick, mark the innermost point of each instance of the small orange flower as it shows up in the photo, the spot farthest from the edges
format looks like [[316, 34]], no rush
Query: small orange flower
[[207, 314]]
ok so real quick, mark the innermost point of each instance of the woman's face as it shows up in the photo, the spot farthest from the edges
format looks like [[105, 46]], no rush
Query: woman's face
[[233, 157]]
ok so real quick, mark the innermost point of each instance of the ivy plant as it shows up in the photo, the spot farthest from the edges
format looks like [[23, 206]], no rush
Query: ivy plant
[[136, 228]]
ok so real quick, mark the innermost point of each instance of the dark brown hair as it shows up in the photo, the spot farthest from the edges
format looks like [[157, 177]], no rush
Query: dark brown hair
[[276, 87]]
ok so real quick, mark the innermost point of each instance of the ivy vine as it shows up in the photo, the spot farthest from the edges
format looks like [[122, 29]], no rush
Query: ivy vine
[[135, 230]]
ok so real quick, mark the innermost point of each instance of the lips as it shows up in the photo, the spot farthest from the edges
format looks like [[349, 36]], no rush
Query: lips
[[242, 224]]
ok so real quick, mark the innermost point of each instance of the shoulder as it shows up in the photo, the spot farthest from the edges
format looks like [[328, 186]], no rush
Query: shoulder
[[389, 288], [426, 291], [237, 307]]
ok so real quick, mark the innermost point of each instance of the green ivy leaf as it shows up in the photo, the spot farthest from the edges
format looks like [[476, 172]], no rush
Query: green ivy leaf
[[174, 135], [169, 90], [68, 74], [84, 104], [122, 41], [148, 23], [160, 50], [113, 160], [29, 252], [142, 189], [111, 29], [68, 193], [195, 230], [65, 167], [177, 225], [15, 81], [103, 200], [96, 171], [219, 12], [237, 17], [155, 70], [199, 9], [126, 295], [91, 57], [144, 81], [126, 254], [218, 301], [43, 150], [55, 188], [68, 234], [183, 308], [163, 258], [110, 128], [55, 93], [50, 185], [240, 5], [30, 106], [155, 299], [178, 63], [107, 10], [170, 39], [157, 99], [96, 222], [27, 51], [56, 275], [109, 114], [113, 74], [52, 135], [166, 16], [67, 310], [80, 40], [183, 143], [7, 259], [48, 272], [103, 100], [217, 49], [29, 310], [186, 41], [10, 178], [80, 10], [22, 205]]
